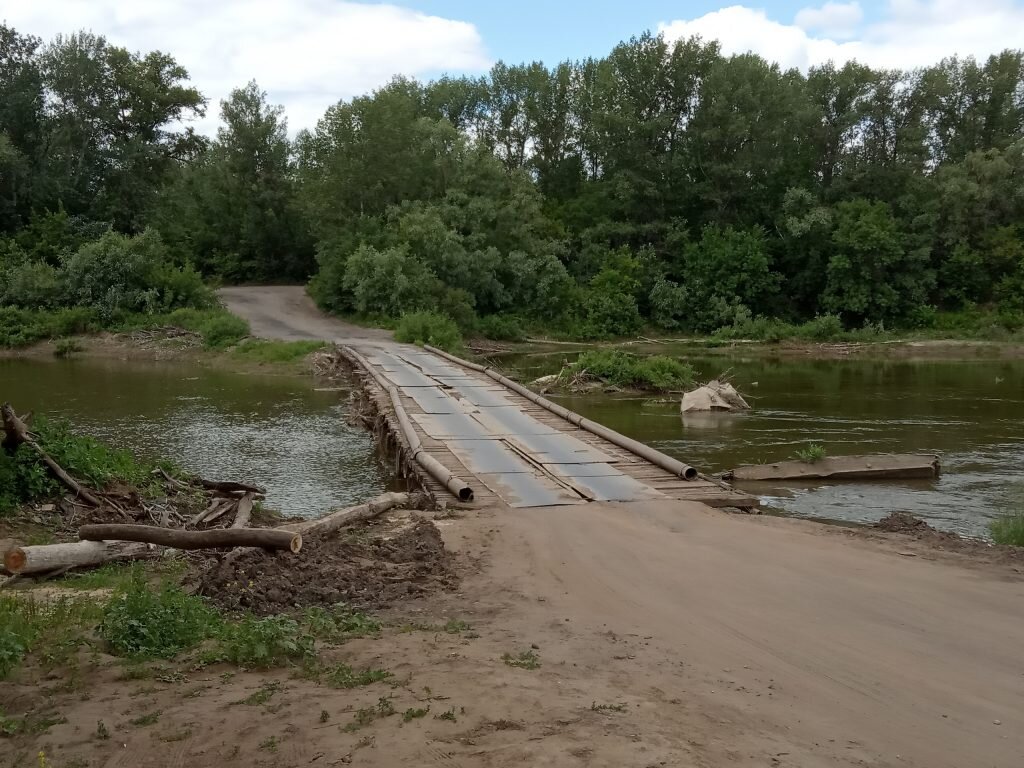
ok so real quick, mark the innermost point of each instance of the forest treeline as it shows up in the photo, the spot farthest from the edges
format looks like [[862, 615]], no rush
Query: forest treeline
[[663, 185]]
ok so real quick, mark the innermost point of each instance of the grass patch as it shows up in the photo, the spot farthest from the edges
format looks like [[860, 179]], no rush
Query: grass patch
[[143, 622], [66, 347], [811, 454], [269, 744], [522, 660], [341, 675], [366, 715], [414, 714], [49, 631], [339, 623], [1008, 529], [429, 328], [147, 719], [256, 643], [622, 369], [262, 351], [261, 696]]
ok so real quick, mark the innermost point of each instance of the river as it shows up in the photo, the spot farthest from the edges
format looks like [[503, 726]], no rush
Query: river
[[970, 413], [274, 430], [278, 430]]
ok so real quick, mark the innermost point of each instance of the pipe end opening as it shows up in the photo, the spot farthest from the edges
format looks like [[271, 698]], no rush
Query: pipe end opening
[[466, 494], [689, 473]]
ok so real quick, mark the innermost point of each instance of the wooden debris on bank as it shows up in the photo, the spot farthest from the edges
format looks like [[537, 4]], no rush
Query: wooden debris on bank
[[265, 538], [876, 467], [45, 558]]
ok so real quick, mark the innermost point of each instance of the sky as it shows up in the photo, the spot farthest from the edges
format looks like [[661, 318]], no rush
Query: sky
[[308, 54]]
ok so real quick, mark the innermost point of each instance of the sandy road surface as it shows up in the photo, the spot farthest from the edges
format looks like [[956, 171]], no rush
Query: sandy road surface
[[287, 313], [731, 640]]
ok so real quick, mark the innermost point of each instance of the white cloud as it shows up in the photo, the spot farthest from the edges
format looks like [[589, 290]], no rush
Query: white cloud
[[307, 54], [908, 34], [836, 20]]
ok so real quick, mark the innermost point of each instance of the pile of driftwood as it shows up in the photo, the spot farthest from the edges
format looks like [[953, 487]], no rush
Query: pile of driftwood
[[222, 522]]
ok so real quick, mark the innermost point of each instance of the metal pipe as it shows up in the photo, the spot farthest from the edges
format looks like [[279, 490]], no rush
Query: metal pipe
[[458, 487], [652, 455]]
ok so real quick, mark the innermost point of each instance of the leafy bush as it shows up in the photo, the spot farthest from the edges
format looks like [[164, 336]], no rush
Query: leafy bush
[[21, 327], [1008, 529], [822, 328], [429, 328], [24, 478], [66, 347], [263, 643], [621, 369], [223, 329], [501, 328], [143, 622], [32, 285], [339, 623]]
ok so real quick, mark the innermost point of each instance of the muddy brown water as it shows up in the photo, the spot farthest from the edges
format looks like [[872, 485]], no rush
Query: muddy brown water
[[279, 431], [275, 430], [970, 413]]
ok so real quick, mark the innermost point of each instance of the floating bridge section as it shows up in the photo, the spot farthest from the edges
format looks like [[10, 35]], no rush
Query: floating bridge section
[[514, 447]]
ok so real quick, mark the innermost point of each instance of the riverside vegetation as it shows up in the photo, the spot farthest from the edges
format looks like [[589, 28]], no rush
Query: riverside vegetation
[[664, 185]]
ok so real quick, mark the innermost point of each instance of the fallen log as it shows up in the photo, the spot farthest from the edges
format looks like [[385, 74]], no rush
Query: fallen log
[[265, 538], [243, 512], [227, 486], [879, 467], [330, 523], [43, 558], [17, 434]]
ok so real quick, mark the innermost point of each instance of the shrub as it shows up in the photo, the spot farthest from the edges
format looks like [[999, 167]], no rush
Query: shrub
[[263, 643], [429, 328], [143, 622], [66, 347], [822, 328], [501, 328], [1008, 529], [32, 285], [50, 630], [622, 369], [223, 329]]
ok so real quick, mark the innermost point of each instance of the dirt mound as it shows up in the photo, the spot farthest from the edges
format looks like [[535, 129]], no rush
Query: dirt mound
[[369, 568], [903, 522]]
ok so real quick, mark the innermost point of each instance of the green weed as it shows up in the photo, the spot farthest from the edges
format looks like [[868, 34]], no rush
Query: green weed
[[143, 622], [448, 715], [101, 731], [339, 623], [263, 643], [523, 660], [412, 714], [1008, 529], [812, 454], [269, 744], [147, 719], [51, 631], [341, 675], [261, 696], [66, 347], [366, 715]]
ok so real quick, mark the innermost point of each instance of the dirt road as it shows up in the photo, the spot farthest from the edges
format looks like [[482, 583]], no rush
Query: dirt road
[[287, 313], [673, 634]]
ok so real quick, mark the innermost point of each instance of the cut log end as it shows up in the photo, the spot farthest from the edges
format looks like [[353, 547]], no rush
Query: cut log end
[[296, 543], [14, 560]]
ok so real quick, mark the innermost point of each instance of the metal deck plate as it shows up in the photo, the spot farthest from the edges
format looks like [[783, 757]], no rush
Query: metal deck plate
[[432, 400], [444, 426], [488, 456], [525, 489], [509, 420], [483, 396], [408, 377], [558, 448], [596, 469], [614, 488]]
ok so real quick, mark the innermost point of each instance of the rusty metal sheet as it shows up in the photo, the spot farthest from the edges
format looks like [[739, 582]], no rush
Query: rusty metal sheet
[[444, 426], [525, 489], [432, 400], [558, 448], [614, 488], [483, 456]]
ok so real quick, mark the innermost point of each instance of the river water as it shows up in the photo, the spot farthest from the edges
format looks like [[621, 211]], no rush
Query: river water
[[274, 430], [970, 413], [279, 431]]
